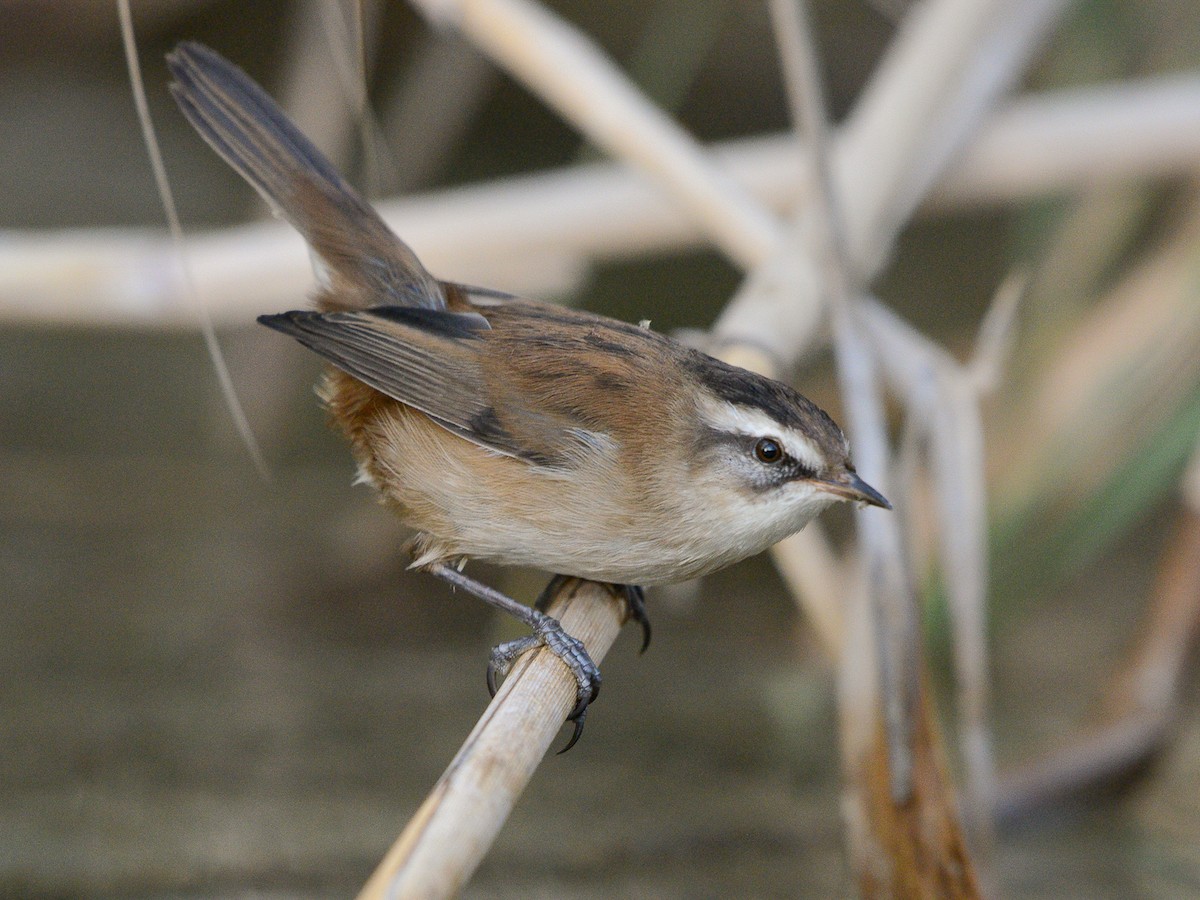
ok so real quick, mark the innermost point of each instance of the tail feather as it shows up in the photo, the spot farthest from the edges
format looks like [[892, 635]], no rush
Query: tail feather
[[367, 263]]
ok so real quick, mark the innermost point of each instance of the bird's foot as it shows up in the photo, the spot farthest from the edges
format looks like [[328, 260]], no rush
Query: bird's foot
[[549, 633], [634, 597]]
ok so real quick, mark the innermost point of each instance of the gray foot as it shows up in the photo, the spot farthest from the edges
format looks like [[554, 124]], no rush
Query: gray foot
[[549, 633]]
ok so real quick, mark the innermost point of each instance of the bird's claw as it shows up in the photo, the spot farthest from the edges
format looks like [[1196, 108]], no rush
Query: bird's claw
[[635, 601], [633, 595], [503, 657], [578, 720], [549, 634]]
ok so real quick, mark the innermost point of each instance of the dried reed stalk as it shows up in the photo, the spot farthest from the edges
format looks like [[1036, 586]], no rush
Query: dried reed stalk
[[570, 73], [917, 847], [448, 836], [537, 234], [893, 772], [945, 423]]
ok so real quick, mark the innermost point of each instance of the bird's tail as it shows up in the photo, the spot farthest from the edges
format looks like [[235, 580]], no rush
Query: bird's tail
[[364, 263]]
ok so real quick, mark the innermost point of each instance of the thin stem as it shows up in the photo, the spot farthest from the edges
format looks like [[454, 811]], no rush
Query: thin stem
[[449, 835], [892, 612], [537, 234], [178, 253]]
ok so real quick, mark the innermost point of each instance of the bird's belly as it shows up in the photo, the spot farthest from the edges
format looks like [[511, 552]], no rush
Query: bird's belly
[[468, 502], [557, 528], [579, 548]]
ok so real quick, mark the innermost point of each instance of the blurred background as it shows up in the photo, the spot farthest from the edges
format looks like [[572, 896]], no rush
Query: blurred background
[[215, 684]]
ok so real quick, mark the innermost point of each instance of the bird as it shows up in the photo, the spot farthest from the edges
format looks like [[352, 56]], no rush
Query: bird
[[515, 431]]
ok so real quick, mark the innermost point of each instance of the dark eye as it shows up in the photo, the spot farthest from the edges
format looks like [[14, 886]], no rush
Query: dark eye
[[767, 450]]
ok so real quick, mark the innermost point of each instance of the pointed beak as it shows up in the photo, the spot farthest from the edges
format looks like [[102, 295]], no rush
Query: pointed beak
[[849, 486]]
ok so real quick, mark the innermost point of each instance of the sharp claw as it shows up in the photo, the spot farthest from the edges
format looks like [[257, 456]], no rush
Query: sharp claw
[[548, 632], [549, 592], [577, 718], [585, 700], [645, 635], [635, 600]]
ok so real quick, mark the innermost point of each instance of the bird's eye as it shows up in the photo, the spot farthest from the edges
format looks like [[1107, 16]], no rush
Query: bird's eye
[[767, 450]]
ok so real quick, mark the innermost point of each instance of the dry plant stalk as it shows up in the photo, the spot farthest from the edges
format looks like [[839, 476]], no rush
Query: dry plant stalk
[[949, 39], [894, 776], [448, 836], [945, 429], [914, 95], [563, 221], [571, 74], [921, 846]]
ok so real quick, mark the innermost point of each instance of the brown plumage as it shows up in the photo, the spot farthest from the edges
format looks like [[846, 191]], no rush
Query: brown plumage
[[516, 431]]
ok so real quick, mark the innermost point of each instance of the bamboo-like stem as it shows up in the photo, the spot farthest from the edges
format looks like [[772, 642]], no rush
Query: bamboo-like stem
[[826, 242], [945, 70], [945, 67], [891, 640], [942, 401], [495, 233], [951, 417], [938, 78], [566, 70], [448, 836], [921, 846], [1073, 138]]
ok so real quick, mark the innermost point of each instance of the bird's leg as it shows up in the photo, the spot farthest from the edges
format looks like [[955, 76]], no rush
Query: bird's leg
[[634, 597], [547, 632]]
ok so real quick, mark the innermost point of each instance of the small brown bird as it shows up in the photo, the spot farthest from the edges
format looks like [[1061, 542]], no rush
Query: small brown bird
[[520, 432]]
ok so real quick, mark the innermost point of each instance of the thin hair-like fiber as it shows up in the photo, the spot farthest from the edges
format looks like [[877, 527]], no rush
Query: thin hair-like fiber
[[232, 402]]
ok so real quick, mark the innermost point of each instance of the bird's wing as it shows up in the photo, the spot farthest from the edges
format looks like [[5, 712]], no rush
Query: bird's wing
[[430, 360]]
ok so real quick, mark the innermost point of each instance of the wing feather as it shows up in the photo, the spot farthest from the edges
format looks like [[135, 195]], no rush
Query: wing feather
[[430, 360]]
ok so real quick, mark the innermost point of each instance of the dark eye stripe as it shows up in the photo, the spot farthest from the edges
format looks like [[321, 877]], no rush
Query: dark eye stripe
[[769, 451]]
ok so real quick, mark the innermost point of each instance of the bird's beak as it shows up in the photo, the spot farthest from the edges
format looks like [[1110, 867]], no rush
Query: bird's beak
[[849, 486]]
